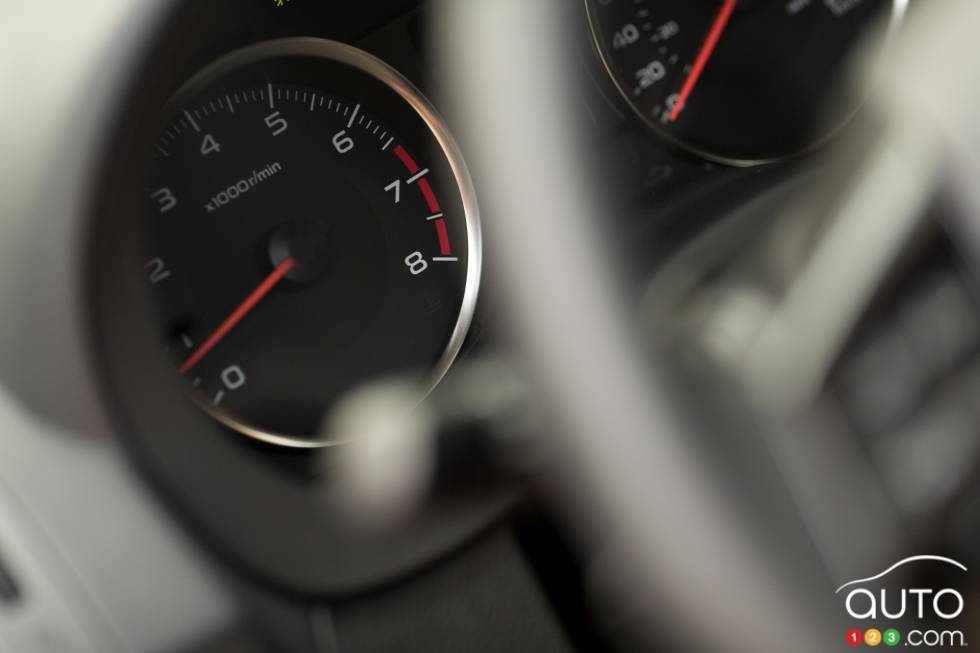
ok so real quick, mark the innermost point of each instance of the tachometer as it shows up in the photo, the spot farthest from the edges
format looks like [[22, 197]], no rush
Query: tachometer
[[312, 226], [736, 81]]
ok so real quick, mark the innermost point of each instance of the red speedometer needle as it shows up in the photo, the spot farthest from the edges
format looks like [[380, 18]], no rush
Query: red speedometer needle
[[702, 59], [236, 316]]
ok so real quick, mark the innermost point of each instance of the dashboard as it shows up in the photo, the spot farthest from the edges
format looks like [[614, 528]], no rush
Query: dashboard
[[312, 224], [285, 213], [308, 223]]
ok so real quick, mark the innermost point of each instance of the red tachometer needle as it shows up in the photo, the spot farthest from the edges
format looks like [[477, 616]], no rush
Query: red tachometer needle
[[702, 59], [236, 316]]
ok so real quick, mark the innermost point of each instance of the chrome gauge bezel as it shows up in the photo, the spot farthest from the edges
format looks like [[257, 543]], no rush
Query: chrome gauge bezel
[[899, 10], [336, 52]]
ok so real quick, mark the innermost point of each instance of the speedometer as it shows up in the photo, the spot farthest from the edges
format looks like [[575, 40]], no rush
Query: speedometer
[[311, 227], [736, 81]]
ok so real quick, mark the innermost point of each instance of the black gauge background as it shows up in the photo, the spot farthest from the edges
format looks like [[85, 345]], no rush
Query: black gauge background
[[769, 92], [241, 499], [305, 344]]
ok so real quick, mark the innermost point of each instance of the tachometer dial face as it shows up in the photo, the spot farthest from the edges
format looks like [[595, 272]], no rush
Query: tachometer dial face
[[312, 227], [736, 81]]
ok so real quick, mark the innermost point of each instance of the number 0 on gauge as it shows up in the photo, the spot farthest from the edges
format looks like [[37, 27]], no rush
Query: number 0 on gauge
[[312, 227]]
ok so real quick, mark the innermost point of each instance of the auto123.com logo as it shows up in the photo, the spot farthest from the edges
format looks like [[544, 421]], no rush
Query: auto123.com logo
[[912, 616]]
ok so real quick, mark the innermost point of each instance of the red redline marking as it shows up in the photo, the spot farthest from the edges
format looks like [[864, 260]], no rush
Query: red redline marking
[[714, 34], [236, 316], [407, 159], [444, 247], [430, 197]]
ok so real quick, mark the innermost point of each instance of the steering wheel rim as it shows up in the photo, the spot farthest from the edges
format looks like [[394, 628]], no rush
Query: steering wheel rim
[[622, 441]]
